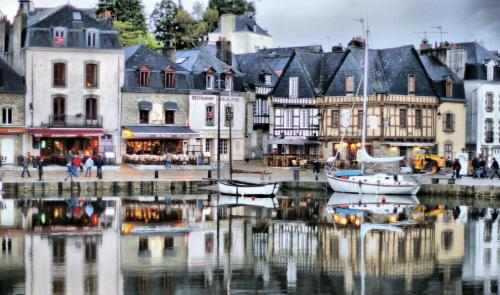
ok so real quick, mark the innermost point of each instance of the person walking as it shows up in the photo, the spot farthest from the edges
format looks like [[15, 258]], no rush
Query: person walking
[[168, 163], [475, 167], [26, 164], [456, 169], [482, 168], [81, 162], [69, 170], [76, 165], [98, 163], [495, 168], [316, 169], [88, 167], [40, 169]]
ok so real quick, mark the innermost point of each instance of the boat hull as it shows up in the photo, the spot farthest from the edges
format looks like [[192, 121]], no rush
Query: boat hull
[[366, 185], [265, 189]]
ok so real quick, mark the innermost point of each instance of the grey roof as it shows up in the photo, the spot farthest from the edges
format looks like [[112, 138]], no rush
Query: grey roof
[[10, 81], [254, 66], [200, 59], [160, 129], [137, 56], [245, 23], [62, 16], [439, 73], [288, 51], [476, 53]]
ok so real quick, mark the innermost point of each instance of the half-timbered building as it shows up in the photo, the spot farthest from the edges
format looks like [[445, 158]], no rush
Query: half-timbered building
[[402, 105], [295, 114]]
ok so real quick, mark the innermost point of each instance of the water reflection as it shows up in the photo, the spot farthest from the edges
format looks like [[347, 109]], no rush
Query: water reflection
[[196, 244]]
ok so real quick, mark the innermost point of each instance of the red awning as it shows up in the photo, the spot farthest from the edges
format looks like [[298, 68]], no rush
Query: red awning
[[65, 132], [14, 130]]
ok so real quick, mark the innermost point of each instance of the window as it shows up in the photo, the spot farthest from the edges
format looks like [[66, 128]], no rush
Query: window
[[77, 15], [449, 122], [293, 91], [449, 87], [288, 118], [210, 81], [304, 119], [144, 74], [489, 102], [169, 78], [59, 75], [59, 36], [58, 250], [169, 117], [144, 116], [447, 240], [267, 80], [349, 84], [263, 107], [228, 116], [335, 118], [91, 38], [402, 118], [418, 119], [58, 109], [223, 146], [488, 128], [91, 74], [411, 84], [209, 115], [207, 145], [229, 82], [91, 108], [7, 116], [487, 256], [360, 119], [448, 150]]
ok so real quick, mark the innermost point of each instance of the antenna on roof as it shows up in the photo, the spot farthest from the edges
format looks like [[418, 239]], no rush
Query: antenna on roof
[[440, 32], [425, 34]]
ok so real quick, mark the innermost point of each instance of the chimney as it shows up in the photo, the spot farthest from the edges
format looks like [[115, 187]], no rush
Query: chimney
[[338, 48], [356, 42], [169, 51], [224, 51], [24, 7], [425, 45]]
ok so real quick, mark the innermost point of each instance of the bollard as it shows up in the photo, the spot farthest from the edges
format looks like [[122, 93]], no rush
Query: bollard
[[156, 174], [209, 174]]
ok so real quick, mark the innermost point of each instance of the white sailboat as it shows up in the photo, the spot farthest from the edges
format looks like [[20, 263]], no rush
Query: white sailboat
[[356, 181]]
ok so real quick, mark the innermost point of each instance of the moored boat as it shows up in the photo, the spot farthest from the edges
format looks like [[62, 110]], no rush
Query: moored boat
[[384, 184], [238, 188]]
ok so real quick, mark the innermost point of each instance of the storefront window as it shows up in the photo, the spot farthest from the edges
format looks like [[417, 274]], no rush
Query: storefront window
[[153, 146]]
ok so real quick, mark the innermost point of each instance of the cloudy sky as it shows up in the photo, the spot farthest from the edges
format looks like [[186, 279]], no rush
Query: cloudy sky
[[329, 22]]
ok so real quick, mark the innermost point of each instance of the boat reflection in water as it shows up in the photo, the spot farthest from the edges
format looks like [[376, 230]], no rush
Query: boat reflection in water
[[343, 208], [228, 248]]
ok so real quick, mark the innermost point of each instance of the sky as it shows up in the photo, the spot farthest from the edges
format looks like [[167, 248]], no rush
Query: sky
[[330, 22]]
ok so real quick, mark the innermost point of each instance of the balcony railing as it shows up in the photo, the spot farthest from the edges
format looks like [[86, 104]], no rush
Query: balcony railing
[[75, 121], [260, 119]]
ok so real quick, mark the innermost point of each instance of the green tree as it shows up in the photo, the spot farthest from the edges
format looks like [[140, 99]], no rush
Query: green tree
[[162, 20], [131, 11], [129, 35], [232, 6], [211, 18]]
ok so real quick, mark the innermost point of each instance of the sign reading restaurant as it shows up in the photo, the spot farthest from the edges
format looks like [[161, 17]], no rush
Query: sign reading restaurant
[[214, 97]]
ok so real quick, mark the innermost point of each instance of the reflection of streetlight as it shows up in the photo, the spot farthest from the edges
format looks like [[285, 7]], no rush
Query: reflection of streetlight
[[365, 228]]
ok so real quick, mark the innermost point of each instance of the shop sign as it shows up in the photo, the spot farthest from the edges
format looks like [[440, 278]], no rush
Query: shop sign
[[345, 118]]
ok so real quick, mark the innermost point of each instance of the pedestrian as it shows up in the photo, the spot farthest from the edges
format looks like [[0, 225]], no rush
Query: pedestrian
[[482, 168], [475, 167], [495, 168], [98, 163], [81, 162], [168, 162], [26, 164], [247, 159], [456, 169], [316, 169], [69, 168], [76, 165], [40, 169], [88, 166]]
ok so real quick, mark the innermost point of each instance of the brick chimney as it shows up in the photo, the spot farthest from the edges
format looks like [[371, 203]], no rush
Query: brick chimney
[[224, 51], [356, 42], [338, 48], [424, 45]]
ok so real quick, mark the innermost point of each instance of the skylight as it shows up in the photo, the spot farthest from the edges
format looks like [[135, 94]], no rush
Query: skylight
[[77, 15], [180, 60]]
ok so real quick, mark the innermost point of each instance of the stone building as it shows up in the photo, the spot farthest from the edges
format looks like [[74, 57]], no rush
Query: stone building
[[73, 66], [155, 104], [243, 32], [12, 128]]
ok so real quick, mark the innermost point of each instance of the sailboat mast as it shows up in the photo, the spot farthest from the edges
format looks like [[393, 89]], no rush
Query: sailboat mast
[[365, 92]]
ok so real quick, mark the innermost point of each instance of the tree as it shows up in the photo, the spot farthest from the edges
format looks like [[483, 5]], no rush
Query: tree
[[129, 35], [162, 20], [232, 6], [187, 31], [198, 11], [211, 18], [131, 11]]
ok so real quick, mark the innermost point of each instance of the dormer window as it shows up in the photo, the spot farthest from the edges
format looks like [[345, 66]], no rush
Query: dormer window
[[210, 80], [59, 36], [229, 82], [169, 77], [91, 37], [293, 84], [267, 80], [449, 87], [77, 16], [411, 84], [144, 75]]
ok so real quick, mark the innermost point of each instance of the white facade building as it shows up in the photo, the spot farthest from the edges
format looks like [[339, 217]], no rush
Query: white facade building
[[485, 117]]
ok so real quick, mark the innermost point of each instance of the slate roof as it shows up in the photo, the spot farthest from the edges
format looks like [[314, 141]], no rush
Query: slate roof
[[137, 56], [476, 53], [200, 59], [10, 81], [288, 51], [42, 21], [254, 66], [439, 73], [245, 23]]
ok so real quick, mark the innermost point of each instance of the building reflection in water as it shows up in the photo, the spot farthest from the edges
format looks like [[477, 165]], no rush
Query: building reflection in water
[[233, 248]]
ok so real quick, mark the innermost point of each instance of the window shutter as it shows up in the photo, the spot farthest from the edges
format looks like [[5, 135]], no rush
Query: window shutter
[[452, 123]]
